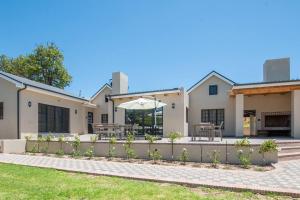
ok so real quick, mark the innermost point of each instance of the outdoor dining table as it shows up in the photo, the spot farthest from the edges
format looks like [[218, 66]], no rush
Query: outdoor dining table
[[205, 129], [109, 130]]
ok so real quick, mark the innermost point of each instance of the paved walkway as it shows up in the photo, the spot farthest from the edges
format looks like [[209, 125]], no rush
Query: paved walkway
[[284, 179]]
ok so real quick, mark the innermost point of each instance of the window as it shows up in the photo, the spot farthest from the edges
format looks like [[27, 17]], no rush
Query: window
[[213, 90], [106, 99], [1, 110], [53, 119], [104, 118], [214, 116]]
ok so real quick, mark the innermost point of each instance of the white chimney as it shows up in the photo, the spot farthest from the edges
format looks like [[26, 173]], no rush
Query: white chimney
[[119, 83], [277, 70]]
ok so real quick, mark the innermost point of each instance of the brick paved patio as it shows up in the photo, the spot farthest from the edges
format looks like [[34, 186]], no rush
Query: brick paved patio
[[284, 179]]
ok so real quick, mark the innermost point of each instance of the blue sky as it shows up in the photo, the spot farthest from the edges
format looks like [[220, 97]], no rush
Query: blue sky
[[158, 43]]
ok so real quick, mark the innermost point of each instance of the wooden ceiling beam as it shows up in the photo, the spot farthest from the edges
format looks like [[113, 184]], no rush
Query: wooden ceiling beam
[[265, 90]]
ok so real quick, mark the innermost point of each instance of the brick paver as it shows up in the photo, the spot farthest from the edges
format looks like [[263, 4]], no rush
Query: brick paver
[[284, 179]]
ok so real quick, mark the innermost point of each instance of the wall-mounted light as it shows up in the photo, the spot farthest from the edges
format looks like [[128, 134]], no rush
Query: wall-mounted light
[[75, 111], [29, 104], [173, 105], [116, 109]]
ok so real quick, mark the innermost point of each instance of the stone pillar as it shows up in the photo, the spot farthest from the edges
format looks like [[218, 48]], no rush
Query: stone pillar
[[239, 115], [295, 114]]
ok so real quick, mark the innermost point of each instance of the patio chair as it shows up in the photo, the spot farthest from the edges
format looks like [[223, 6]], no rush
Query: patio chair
[[218, 131]]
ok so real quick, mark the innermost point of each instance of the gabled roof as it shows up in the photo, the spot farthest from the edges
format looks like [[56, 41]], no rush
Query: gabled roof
[[20, 81], [151, 92], [106, 85], [213, 73]]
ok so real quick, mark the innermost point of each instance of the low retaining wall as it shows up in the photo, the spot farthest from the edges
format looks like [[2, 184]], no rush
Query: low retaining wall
[[12, 146], [196, 152]]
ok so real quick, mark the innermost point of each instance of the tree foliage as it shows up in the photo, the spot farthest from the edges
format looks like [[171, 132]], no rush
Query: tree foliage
[[44, 64]]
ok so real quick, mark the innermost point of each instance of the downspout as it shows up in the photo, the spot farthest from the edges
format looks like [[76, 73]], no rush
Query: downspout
[[113, 109], [18, 110]]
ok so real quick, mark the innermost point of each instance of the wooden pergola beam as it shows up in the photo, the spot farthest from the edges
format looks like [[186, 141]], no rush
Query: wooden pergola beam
[[265, 90]]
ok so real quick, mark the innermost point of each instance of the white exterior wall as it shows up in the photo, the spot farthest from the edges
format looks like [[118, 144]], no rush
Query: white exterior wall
[[8, 95], [173, 119], [29, 115], [102, 106], [295, 101], [199, 99]]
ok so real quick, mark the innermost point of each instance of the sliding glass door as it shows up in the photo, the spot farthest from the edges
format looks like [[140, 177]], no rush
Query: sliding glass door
[[145, 120]]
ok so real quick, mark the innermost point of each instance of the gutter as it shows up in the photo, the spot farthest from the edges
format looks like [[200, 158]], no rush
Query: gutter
[[18, 110]]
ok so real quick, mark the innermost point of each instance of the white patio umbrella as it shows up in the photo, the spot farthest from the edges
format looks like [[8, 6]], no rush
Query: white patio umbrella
[[143, 104]]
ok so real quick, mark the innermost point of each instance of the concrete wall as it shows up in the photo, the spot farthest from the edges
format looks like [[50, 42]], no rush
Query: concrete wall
[[29, 115], [8, 95], [196, 152], [12, 146], [173, 119], [200, 99], [277, 70], [267, 103], [102, 106]]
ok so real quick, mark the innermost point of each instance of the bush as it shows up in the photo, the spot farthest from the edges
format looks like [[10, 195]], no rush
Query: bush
[[155, 155], [151, 139], [267, 146], [245, 158], [90, 152], [242, 143], [76, 144], [111, 147], [184, 156], [173, 136], [128, 148], [215, 158]]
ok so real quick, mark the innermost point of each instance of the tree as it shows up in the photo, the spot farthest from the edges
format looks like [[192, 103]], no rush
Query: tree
[[44, 65]]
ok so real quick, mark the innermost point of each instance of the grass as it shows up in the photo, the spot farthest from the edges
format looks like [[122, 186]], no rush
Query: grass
[[22, 182]]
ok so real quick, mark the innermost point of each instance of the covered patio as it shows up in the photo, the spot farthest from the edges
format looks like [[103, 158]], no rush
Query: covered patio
[[267, 109]]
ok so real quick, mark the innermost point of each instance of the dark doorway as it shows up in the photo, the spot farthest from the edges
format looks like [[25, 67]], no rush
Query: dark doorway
[[90, 122]]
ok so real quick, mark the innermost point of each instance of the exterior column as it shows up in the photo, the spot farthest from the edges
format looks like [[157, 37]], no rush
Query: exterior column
[[239, 115], [295, 114]]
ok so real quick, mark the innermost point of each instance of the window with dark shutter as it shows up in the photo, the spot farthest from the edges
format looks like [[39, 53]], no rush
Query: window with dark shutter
[[1, 111], [213, 90], [104, 118], [53, 119], [214, 116]]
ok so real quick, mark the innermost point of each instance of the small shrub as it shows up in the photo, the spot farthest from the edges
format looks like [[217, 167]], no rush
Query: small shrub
[[111, 147], [173, 136], [128, 146], [215, 158], [90, 152], [61, 140], [155, 155], [40, 140], [184, 156], [151, 139], [242, 143], [76, 144], [245, 158], [267, 146], [34, 149], [94, 139]]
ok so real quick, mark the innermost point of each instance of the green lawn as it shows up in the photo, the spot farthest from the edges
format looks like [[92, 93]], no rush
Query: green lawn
[[21, 182]]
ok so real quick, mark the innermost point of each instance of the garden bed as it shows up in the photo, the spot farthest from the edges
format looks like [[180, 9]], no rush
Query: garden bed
[[257, 168]]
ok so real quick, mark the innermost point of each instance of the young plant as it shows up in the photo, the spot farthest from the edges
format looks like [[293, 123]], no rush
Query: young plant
[[76, 144], [27, 138], [155, 155], [173, 136], [48, 139], [267, 146], [215, 158], [244, 152], [184, 157], [151, 139], [40, 140], [90, 153], [128, 146], [61, 140], [111, 147]]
